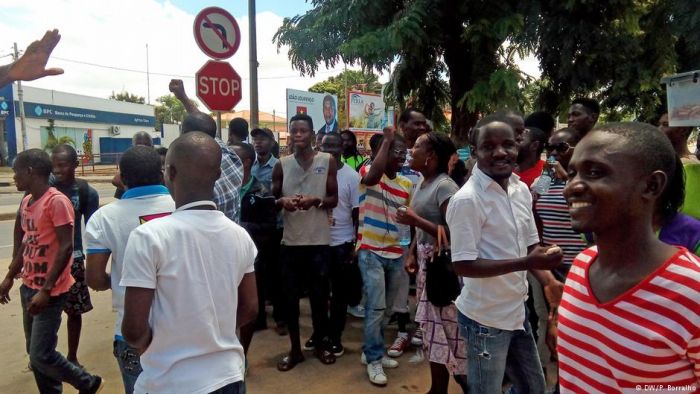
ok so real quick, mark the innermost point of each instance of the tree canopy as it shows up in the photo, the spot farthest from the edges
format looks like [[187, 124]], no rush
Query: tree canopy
[[169, 110], [616, 51], [128, 97]]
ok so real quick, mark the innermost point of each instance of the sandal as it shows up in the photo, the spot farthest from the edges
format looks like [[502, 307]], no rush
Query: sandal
[[288, 362], [325, 356]]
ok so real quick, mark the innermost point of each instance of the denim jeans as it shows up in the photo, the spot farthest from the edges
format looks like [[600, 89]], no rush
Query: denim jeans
[[129, 364], [233, 388], [50, 368], [380, 283], [493, 353]]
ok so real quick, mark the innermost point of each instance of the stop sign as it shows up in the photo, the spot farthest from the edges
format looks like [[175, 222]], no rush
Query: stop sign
[[218, 86]]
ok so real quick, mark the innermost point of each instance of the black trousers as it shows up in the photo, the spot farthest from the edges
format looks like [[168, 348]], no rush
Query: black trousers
[[306, 265], [341, 270]]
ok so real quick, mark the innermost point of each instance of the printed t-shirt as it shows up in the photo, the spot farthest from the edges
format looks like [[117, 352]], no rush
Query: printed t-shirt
[[646, 339], [194, 260], [109, 229], [39, 222], [378, 231]]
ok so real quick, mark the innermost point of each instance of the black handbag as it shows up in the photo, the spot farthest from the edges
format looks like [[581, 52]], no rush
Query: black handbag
[[441, 282]]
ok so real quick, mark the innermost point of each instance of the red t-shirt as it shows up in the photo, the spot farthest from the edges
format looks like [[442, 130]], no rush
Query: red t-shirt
[[528, 176], [647, 339], [39, 221]]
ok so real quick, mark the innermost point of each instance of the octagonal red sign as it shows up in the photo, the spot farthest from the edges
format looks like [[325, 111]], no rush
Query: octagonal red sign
[[218, 86]]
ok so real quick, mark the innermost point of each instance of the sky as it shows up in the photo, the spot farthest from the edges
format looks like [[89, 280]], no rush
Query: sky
[[96, 34]]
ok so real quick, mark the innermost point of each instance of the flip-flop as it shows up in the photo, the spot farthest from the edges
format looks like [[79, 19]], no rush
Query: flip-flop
[[288, 362], [325, 356]]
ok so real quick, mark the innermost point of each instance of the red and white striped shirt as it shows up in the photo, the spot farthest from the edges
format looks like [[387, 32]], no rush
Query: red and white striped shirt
[[647, 339]]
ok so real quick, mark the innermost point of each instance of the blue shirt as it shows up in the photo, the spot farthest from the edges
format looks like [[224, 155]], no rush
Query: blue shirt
[[263, 172]]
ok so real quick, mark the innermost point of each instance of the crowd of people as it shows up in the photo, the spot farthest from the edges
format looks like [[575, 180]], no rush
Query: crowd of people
[[586, 256]]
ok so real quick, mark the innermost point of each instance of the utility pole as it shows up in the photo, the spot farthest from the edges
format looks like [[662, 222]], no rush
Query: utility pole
[[148, 78], [20, 96], [253, 55]]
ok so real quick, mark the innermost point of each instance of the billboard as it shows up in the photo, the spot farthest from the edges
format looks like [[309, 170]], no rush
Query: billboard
[[683, 92], [366, 112], [322, 108]]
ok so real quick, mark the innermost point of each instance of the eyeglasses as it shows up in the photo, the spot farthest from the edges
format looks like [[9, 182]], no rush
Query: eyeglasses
[[561, 147]]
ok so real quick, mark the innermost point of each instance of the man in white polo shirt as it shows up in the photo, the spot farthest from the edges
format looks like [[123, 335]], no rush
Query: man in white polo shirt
[[190, 283], [492, 230], [108, 230]]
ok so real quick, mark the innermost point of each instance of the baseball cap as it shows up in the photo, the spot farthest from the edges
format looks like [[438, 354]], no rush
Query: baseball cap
[[263, 133]]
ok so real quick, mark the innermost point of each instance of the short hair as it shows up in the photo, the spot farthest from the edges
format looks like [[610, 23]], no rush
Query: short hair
[[239, 128], [67, 150], [333, 135], [536, 134], [199, 121], [303, 117], [542, 120], [444, 148], [374, 142], [247, 151], [576, 136], [162, 151], [589, 104], [329, 99], [37, 159], [140, 166], [142, 134], [406, 114], [653, 151]]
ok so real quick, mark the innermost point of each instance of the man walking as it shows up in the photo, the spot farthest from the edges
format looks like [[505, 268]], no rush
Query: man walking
[[107, 232], [190, 282], [85, 202], [44, 258]]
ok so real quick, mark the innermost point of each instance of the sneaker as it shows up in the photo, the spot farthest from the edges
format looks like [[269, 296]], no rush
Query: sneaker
[[96, 387], [309, 345], [386, 362], [337, 349], [396, 350], [417, 339], [376, 374], [357, 311]]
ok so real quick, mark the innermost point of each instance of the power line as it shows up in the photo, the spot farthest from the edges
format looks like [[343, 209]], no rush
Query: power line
[[169, 75]]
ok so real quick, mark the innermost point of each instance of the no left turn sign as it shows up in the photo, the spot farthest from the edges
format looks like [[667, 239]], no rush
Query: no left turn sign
[[217, 33]]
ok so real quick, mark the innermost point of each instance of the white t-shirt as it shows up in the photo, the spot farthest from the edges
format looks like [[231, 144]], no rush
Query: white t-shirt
[[342, 229], [109, 227], [195, 260], [486, 222]]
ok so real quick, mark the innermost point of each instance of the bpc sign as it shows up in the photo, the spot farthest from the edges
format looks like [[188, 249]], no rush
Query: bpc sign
[[218, 86]]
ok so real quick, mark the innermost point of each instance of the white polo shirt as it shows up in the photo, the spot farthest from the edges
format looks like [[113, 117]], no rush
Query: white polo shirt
[[487, 222], [194, 260], [109, 227]]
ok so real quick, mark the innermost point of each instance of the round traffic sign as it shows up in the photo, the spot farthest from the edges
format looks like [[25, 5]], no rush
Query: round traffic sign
[[217, 33]]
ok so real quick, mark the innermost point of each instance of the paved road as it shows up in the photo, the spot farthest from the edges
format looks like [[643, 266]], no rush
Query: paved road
[[7, 226]]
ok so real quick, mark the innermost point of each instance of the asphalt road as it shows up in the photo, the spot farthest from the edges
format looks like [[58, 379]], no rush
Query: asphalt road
[[7, 226]]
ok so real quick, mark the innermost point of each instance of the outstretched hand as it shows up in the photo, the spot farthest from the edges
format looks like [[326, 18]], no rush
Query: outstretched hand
[[32, 64]]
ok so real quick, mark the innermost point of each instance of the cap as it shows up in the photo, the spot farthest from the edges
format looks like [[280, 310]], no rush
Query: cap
[[263, 133]]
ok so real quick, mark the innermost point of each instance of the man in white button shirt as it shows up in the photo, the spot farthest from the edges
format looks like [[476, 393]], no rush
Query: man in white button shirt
[[492, 230]]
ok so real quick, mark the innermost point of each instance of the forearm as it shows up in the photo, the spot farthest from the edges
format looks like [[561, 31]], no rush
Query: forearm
[[59, 264], [484, 268], [374, 175], [187, 103], [98, 281], [138, 339], [427, 226], [16, 265], [330, 202], [543, 276]]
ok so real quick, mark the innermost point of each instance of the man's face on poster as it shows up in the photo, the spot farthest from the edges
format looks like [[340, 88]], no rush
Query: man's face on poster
[[328, 111]]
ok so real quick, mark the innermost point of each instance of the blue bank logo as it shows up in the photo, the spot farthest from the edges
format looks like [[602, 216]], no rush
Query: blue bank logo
[[3, 105], [38, 110]]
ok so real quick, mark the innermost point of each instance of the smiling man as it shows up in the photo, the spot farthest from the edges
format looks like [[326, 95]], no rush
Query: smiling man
[[494, 242], [630, 312]]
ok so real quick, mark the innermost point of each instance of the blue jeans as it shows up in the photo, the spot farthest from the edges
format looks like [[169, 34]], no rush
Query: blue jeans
[[129, 364], [492, 353], [50, 368], [233, 388], [380, 283]]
